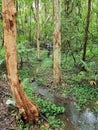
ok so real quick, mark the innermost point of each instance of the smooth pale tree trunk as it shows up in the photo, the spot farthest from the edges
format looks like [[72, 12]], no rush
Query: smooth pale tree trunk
[[37, 29], [57, 42], [27, 108], [86, 30]]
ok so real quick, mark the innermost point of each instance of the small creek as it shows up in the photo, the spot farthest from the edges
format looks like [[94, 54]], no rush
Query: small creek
[[73, 118]]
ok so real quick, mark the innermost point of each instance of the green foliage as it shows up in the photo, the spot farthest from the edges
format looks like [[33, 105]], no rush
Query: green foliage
[[80, 75], [2, 61], [40, 81], [22, 38], [44, 69], [24, 73], [85, 94], [56, 123], [96, 77], [26, 52], [95, 51], [44, 128], [21, 126], [46, 64], [2, 56], [95, 109], [27, 87], [48, 108], [64, 93]]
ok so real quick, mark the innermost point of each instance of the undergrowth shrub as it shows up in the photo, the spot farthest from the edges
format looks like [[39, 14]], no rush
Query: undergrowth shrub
[[85, 95]]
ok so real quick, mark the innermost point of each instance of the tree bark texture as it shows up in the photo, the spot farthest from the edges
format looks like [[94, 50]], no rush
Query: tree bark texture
[[27, 108], [86, 31], [37, 29], [57, 42]]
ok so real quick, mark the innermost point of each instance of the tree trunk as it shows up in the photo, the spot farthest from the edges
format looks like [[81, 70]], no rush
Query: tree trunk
[[57, 42], [37, 29], [28, 109], [86, 31]]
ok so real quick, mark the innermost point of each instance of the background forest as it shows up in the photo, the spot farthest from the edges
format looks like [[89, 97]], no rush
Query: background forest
[[79, 53]]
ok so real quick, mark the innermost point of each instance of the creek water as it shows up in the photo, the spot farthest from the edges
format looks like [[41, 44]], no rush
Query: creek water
[[73, 118], [80, 120]]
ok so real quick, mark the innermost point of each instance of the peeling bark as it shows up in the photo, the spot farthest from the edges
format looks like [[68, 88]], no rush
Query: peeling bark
[[57, 42], [28, 109]]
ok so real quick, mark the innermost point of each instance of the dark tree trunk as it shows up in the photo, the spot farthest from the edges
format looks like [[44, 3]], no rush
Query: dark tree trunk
[[86, 31]]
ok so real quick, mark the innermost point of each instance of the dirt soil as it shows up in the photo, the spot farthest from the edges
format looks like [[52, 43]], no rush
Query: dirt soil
[[7, 115]]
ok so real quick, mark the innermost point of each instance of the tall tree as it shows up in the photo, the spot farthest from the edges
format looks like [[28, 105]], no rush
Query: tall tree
[[86, 31], [27, 108], [57, 41], [37, 29]]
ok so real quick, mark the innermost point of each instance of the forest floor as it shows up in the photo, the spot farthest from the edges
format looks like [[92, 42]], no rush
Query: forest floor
[[7, 116]]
